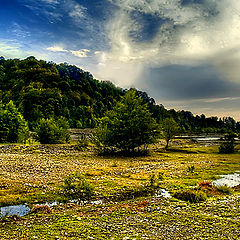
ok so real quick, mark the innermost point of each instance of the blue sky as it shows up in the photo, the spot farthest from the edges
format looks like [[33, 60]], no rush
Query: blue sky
[[184, 53]]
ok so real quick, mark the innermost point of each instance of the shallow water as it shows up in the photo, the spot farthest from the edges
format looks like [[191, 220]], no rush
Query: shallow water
[[19, 210], [163, 193], [23, 209], [230, 180]]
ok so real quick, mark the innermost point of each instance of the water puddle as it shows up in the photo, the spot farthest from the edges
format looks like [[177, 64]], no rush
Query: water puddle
[[230, 180], [23, 209], [19, 210], [163, 193]]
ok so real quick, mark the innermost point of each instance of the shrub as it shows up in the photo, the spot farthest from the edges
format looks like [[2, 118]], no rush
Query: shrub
[[76, 187], [53, 131], [191, 169], [13, 127], [82, 143], [224, 189], [192, 196], [227, 147]]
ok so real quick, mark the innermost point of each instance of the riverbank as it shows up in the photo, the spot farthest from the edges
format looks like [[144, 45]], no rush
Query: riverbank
[[35, 174]]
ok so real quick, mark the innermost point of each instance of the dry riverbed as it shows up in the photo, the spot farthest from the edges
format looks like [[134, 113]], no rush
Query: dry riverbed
[[35, 173]]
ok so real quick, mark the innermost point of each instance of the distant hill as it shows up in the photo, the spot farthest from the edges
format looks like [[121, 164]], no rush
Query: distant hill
[[43, 89]]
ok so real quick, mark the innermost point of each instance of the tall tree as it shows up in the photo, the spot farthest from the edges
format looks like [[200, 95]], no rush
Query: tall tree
[[169, 130], [129, 125]]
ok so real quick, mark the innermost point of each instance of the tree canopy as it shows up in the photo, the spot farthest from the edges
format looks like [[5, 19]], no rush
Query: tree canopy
[[41, 89], [129, 125], [13, 127]]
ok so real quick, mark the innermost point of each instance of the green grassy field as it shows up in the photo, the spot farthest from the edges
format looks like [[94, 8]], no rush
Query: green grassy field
[[36, 173]]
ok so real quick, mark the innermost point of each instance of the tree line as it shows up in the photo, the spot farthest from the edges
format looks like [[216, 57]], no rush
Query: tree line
[[35, 92]]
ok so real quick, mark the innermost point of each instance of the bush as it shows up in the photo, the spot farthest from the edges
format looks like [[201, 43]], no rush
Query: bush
[[82, 143], [192, 196], [76, 187], [13, 127], [224, 189], [191, 169], [227, 147], [51, 131]]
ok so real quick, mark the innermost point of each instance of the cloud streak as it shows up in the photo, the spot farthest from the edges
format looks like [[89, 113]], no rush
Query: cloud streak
[[82, 53]]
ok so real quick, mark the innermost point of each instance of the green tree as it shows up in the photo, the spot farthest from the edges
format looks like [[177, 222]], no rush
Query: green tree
[[13, 127], [228, 146], [51, 131], [128, 126], [169, 130]]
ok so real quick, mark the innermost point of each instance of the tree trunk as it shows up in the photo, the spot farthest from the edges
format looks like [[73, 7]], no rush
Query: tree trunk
[[167, 144]]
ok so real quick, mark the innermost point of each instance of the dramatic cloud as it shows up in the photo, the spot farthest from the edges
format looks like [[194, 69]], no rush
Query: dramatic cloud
[[190, 34]]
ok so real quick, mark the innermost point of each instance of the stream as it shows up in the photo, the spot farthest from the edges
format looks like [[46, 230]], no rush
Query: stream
[[23, 209], [230, 180]]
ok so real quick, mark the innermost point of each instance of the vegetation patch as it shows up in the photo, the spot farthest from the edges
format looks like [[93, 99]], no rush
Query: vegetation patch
[[192, 196]]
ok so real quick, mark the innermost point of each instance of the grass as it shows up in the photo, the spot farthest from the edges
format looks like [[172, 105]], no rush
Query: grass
[[36, 173]]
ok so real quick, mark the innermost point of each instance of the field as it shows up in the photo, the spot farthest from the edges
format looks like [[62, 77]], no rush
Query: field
[[121, 207]]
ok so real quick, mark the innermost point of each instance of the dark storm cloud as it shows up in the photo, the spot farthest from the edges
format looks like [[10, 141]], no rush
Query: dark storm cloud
[[177, 82], [147, 26]]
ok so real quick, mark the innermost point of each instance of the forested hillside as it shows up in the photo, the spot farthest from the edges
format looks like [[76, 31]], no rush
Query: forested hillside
[[43, 89]]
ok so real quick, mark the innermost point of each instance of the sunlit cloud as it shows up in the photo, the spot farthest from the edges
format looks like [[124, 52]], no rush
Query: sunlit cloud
[[57, 49], [10, 49], [80, 53], [192, 34]]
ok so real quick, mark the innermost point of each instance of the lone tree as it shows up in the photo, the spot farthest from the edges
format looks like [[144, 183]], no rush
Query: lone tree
[[169, 130], [127, 127]]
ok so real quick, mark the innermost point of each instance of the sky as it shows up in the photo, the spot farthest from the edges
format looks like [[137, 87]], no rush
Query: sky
[[183, 53]]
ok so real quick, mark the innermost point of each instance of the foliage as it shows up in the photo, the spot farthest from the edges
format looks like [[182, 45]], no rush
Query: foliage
[[43, 89], [76, 187], [128, 126], [169, 130], [155, 180], [46, 90], [225, 189], [191, 169], [228, 145], [82, 143], [53, 131], [13, 127], [192, 196]]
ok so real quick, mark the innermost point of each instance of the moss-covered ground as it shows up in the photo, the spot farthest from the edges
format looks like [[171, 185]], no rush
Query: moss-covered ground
[[33, 173]]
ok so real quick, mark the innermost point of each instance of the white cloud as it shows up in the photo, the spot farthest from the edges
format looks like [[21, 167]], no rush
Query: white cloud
[[82, 53], [77, 12], [51, 1], [57, 49], [6, 48]]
